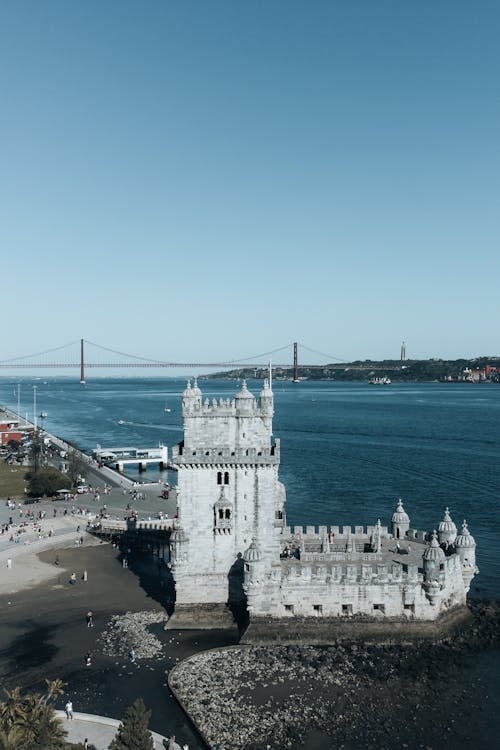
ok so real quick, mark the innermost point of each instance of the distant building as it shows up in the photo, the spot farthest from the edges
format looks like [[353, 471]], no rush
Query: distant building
[[231, 537], [403, 352]]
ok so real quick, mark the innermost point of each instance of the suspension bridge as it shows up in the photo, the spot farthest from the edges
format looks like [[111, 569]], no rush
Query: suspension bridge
[[84, 355]]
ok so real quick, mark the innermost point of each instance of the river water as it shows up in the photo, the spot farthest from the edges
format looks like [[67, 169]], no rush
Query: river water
[[349, 450]]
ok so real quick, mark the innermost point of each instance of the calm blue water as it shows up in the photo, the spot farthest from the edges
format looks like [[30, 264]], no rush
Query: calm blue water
[[348, 450]]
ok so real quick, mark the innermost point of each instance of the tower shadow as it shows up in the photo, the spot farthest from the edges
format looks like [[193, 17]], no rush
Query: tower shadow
[[236, 597]]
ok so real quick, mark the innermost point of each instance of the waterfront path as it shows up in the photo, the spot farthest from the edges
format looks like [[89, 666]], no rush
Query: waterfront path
[[100, 730]]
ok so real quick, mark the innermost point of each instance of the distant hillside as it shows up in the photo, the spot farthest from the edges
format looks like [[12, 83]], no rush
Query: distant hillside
[[410, 371]]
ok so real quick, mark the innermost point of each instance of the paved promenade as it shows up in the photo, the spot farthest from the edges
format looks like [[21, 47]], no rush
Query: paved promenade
[[100, 730]]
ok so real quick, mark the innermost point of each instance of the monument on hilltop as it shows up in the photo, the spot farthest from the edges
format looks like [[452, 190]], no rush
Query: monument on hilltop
[[231, 546]]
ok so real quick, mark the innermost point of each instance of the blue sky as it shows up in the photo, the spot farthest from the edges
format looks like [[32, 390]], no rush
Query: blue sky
[[210, 180]]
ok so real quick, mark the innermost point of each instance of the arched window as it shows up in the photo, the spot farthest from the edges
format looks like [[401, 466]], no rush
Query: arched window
[[219, 477], [226, 477]]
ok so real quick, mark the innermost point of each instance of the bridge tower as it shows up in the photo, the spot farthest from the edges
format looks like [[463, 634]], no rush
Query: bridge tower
[[82, 363], [295, 362], [228, 494]]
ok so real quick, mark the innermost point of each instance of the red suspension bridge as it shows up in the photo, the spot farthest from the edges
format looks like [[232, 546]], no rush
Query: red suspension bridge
[[83, 355]]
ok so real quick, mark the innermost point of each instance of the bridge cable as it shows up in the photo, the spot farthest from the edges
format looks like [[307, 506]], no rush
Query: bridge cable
[[322, 354], [158, 361], [39, 354]]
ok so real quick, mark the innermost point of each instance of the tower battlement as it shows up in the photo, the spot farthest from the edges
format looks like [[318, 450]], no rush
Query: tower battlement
[[231, 525]]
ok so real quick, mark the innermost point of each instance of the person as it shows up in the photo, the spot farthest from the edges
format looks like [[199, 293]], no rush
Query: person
[[72, 579], [398, 548], [90, 619], [69, 710], [132, 655], [88, 659], [85, 743]]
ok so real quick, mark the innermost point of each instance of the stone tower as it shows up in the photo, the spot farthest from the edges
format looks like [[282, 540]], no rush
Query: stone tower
[[228, 494]]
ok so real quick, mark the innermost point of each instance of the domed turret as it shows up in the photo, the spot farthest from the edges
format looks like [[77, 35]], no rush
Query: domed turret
[[400, 521], [253, 553], [244, 400], [447, 530], [433, 572], [196, 390], [465, 540], [433, 553], [465, 546]]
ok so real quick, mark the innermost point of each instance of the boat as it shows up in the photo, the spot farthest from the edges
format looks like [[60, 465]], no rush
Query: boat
[[166, 409], [379, 381], [121, 421]]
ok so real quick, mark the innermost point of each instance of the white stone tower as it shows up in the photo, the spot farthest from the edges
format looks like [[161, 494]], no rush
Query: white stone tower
[[228, 494]]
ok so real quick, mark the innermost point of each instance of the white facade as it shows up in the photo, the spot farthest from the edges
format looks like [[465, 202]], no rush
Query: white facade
[[231, 518], [228, 491]]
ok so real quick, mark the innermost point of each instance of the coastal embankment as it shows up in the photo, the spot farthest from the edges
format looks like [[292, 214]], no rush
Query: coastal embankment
[[350, 695]]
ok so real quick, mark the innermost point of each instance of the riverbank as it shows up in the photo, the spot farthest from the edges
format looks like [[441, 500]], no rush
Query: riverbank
[[423, 695], [43, 634]]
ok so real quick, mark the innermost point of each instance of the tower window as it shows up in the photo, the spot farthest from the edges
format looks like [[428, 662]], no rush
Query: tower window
[[226, 477], [219, 477], [228, 513]]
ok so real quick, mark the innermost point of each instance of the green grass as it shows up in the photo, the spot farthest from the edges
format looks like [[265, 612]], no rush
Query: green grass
[[12, 482]]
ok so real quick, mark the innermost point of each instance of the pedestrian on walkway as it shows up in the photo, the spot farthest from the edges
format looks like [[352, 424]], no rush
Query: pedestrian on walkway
[[90, 619], [69, 710], [132, 655]]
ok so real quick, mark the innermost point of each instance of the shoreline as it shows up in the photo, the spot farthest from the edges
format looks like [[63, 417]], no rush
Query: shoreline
[[350, 695]]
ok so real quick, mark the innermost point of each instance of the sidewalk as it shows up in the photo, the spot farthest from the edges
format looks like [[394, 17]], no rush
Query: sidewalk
[[100, 730]]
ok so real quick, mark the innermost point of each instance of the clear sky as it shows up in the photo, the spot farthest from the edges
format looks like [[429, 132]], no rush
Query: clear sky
[[209, 180]]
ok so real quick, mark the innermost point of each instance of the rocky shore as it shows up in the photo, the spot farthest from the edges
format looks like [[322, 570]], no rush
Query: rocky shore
[[424, 695]]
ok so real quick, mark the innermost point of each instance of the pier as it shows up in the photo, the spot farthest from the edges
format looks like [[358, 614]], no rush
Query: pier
[[118, 458]]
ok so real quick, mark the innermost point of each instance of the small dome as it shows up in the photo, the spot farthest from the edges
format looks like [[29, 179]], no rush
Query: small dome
[[447, 526], [465, 538], [434, 552], [244, 393], [196, 390], [400, 515], [188, 390], [253, 553]]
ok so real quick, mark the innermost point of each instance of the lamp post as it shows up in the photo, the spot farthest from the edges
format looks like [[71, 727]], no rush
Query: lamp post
[[34, 406]]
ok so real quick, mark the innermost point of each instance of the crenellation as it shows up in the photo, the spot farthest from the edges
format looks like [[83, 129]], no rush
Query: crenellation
[[232, 516]]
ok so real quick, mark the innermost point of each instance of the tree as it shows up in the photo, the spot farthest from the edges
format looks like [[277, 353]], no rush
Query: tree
[[133, 732], [46, 482], [76, 466], [29, 721], [37, 456]]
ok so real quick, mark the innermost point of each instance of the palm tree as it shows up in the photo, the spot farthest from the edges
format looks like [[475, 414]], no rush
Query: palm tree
[[30, 722], [11, 709], [55, 688]]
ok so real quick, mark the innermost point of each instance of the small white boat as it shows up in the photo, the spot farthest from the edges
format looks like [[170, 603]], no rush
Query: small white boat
[[121, 421], [166, 409]]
